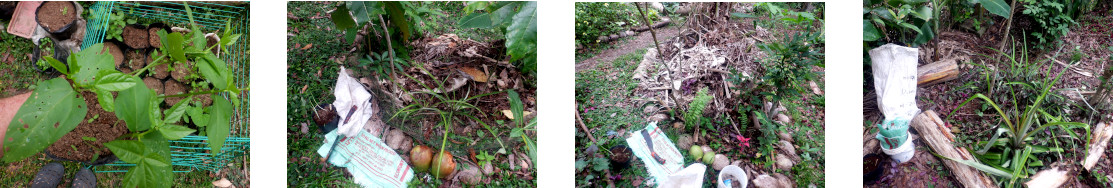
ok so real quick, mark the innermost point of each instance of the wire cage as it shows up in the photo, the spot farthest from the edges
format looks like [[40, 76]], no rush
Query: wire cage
[[192, 152]]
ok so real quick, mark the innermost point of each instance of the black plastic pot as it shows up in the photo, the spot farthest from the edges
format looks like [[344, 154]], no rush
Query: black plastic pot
[[66, 31], [620, 157], [873, 172], [331, 125]]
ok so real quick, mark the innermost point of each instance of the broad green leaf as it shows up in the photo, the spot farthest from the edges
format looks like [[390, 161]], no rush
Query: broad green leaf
[[229, 40], [504, 14], [58, 65], [516, 107], [91, 63], [342, 18], [197, 116], [176, 111], [476, 20], [923, 12], [211, 72], [173, 46], [398, 18], [112, 80], [106, 100], [198, 39], [998, 7], [474, 6], [155, 110], [869, 31], [219, 119], [913, 27], [131, 151], [350, 34], [153, 170], [925, 35], [51, 111], [364, 11], [133, 106], [521, 36], [175, 132]]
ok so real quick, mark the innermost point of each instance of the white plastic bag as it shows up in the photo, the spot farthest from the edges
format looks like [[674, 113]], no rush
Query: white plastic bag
[[351, 96], [894, 78]]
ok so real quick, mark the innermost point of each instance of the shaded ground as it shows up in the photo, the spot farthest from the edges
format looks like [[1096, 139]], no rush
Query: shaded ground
[[626, 46], [612, 104], [316, 51], [1088, 42]]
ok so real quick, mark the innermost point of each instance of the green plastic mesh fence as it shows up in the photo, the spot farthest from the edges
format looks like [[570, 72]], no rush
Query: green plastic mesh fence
[[192, 152]]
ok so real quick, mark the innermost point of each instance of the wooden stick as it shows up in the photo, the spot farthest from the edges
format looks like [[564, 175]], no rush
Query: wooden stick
[[1102, 133], [939, 137], [938, 72]]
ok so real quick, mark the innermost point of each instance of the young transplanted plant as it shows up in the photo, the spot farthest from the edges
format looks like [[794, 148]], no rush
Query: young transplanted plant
[[1013, 154], [55, 108]]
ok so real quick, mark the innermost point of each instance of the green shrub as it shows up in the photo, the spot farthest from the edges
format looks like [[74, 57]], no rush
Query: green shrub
[[596, 19], [1052, 20]]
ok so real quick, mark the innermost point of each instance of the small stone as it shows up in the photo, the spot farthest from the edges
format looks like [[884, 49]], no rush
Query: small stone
[[785, 136], [651, 109], [784, 163], [488, 169], [788, 150], [395, 138], [766, 181], [469, 175], [659, 117], [785, 181], [815, 88], [684, 141], [784, 119], [721, 162], [223, 183]]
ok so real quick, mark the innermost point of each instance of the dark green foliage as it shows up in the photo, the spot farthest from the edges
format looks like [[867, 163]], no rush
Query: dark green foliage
[[594, 19]]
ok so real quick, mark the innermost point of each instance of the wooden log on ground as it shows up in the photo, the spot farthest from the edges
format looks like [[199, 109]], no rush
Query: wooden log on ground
[[1102, 133], [1056, 176], [934, 132], [940, 71]]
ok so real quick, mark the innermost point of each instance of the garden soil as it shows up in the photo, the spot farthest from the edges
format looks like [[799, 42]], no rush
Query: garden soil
[[104, 127], [136, 59], [51, 14], [161, 71], [174, 88], [135, 36], [117, 55]]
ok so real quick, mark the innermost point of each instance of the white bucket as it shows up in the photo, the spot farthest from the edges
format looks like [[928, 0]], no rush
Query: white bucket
[[903, 153], [732, 170]]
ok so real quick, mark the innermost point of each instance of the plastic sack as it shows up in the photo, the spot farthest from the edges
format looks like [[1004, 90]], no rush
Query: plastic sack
[[371, 162], [894, 78], [351, 96], [665, 149], [691, 176]]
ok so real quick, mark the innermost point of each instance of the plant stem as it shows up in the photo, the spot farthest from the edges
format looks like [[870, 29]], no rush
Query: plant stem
[[157, 62], [199, 93]]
